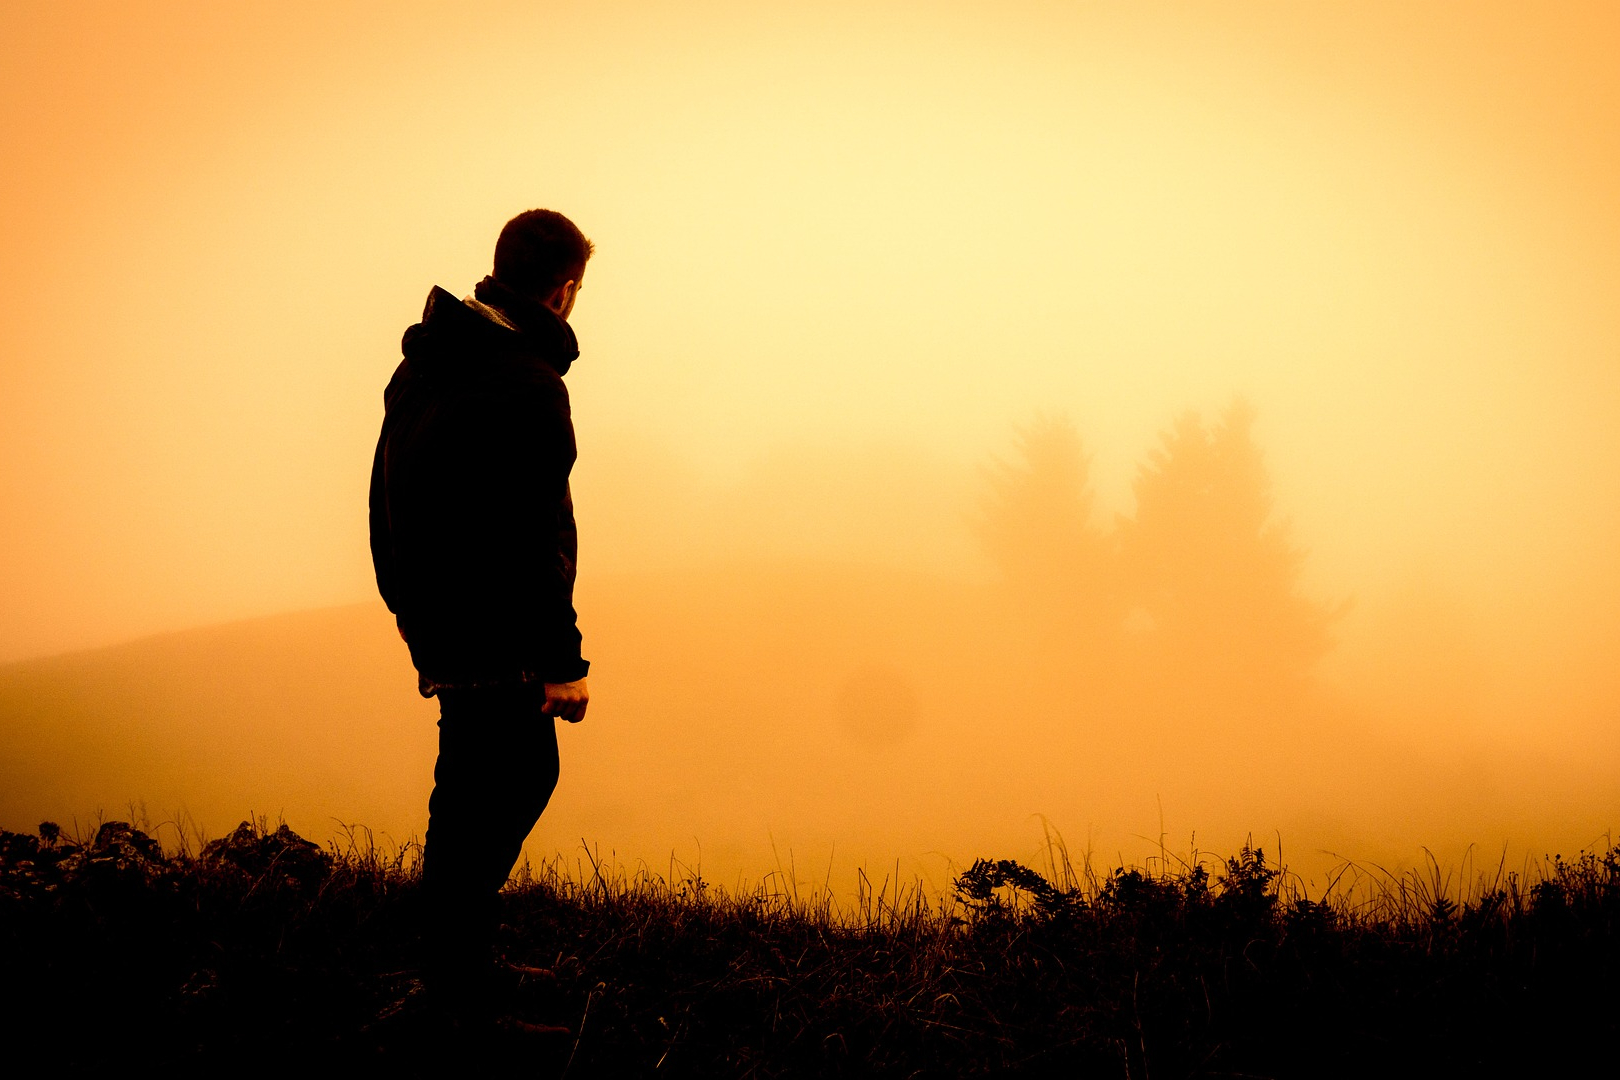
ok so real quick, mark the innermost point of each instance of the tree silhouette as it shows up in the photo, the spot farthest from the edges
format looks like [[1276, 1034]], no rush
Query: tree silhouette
[[1212, 570], [1035, 524]]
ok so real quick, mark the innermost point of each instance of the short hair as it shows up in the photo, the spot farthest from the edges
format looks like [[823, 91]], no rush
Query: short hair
[[538, 251]]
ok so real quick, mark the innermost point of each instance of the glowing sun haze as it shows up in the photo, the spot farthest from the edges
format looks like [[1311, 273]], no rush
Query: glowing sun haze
[[843, 251]]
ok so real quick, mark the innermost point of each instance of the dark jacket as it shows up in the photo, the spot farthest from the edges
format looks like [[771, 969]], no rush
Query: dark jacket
[[472, 524]]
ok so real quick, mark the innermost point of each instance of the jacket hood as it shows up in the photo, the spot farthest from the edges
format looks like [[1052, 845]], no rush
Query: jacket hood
[[455, 343]]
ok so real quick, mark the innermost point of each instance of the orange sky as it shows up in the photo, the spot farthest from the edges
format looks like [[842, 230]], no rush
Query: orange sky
[[1393, 227], [841, 253]]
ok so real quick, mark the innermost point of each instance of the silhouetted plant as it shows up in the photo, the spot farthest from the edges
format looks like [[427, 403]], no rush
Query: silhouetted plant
[[1004, 887], [1247, 883]]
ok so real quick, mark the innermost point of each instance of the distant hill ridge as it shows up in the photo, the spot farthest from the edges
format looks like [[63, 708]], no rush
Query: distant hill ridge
[[731, 705]]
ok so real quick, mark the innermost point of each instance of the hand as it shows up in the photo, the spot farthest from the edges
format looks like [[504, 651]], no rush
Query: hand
[[567, 700]]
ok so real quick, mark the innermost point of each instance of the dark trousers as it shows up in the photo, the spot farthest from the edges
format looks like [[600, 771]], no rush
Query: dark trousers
[[496, 771]]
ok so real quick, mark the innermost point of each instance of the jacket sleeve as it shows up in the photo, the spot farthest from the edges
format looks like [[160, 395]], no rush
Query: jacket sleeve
[[556, 540], [531, 531]]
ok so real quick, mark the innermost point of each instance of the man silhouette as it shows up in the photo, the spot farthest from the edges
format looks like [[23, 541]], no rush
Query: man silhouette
[[473, 541]]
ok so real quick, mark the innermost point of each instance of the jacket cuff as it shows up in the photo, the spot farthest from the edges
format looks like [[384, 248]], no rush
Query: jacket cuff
[[571, 671]]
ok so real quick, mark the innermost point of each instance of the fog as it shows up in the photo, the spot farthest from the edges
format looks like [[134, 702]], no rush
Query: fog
[[1127, 418]]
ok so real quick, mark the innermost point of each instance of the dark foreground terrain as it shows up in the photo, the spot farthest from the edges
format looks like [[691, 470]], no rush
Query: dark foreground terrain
[[262, 953]]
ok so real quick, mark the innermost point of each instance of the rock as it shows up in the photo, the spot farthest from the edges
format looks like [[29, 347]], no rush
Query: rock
[[283, 853], [120, 852]]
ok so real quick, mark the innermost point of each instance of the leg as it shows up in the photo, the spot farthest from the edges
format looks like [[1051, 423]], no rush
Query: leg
[[496, 771]]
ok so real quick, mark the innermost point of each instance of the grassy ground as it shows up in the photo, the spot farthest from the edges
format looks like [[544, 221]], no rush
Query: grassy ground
[[261, 952]]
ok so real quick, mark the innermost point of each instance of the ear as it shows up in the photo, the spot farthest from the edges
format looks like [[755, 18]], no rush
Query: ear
[[562, 298]]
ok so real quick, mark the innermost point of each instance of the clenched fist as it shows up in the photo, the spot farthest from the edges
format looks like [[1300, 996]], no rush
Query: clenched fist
[[567, 700]]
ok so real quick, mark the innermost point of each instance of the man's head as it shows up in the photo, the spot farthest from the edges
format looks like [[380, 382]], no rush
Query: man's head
[[542, 254]]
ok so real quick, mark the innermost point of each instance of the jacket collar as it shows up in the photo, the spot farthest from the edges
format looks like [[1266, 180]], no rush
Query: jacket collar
[[437, 347], [544, 332]]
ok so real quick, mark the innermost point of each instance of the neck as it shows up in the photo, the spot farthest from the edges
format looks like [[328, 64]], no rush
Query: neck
[[524, 310]]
